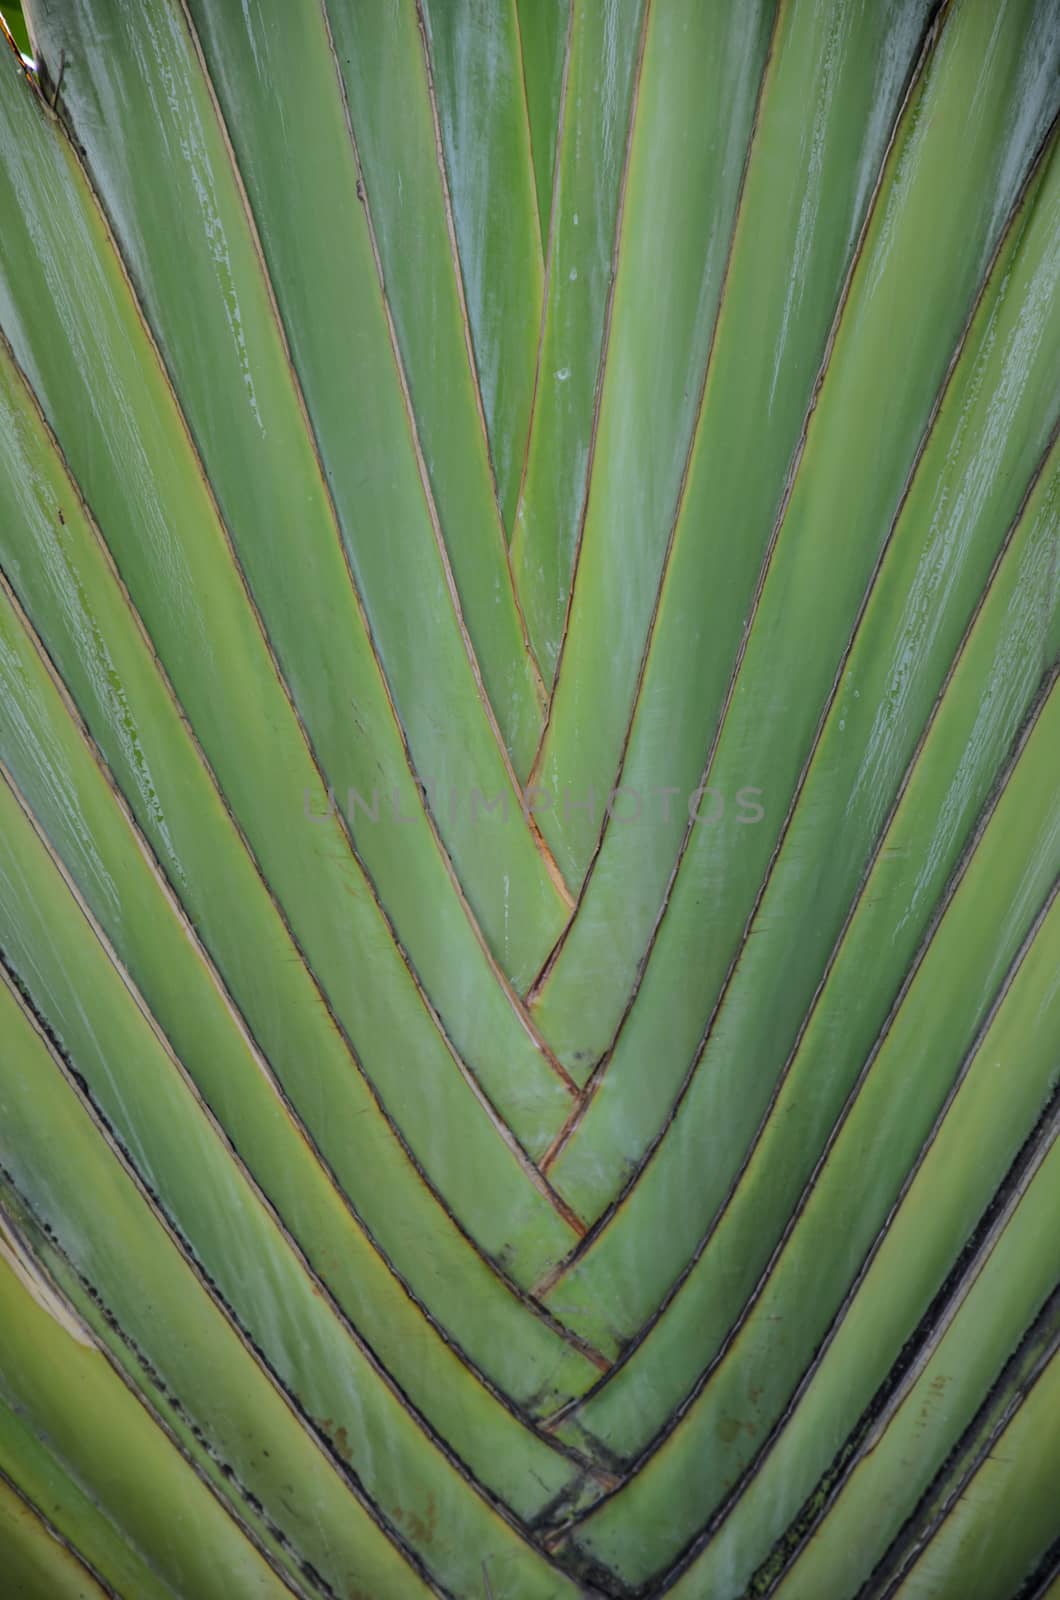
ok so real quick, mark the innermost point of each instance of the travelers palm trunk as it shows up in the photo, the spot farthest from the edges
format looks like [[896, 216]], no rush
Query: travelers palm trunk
[[529, 774]]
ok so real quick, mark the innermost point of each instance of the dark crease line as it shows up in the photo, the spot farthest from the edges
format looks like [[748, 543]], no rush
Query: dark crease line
[[40, 1028], [918, 1351], [402, 380], [450, 222], [549, 863], [1039, 1583], [298, 1127], [453, 1460], [549, 257], [469, 337], [540, 230], [522, 1295], [186, 1250], [911, 1540], [786, 493], [38, 78], [834, 954], [465, 1070], [551, 868], [599, 1071], [284, 687], [61, 1539], [952, 885], [150, 1374], [519, 1293], [469, 342], [515, 1001], [696, 1546], [678, 1415], [605, 344], [664, 571], [1050, 599]]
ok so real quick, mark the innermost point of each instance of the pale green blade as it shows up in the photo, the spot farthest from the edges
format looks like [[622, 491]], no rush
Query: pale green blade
[[435, 1157], [380, 54], [698, 87], [993, 912], [63, 578], [543, 31], [808, 199], [960, 1377], [348, 1428], [190, 597], [89, 1524], [602, 69], [103, 1471], [483, 119], [37, 1565], [1005, 1517], [302, 493], [945, 1212], [940, 557], [954, 170], [71, 799], [968, 751], [244, 1423], [986, 445]]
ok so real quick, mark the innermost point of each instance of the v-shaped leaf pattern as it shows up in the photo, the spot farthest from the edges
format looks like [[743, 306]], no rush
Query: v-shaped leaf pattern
[[529, 844]]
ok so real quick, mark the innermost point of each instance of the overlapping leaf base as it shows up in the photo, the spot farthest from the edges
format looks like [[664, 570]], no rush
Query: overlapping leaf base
[[529, 777]]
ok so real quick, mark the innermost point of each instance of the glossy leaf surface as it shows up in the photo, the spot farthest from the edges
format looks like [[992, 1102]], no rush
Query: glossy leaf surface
[[530, 800]]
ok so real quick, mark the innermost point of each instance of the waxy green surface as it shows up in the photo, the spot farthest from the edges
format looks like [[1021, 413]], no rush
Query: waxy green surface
[[418, 421]]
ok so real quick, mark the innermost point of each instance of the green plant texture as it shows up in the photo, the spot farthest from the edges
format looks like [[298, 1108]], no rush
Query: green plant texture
[[530, 800]]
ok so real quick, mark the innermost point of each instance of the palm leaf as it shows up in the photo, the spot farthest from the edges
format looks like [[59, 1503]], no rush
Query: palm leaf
[[529, 829], [11, 17]]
